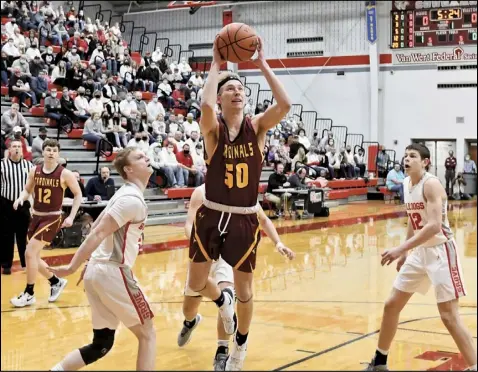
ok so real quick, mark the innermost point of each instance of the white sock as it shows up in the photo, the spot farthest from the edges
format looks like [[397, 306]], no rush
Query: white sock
[[472, 368], [383, 352], [224, 343], [58, 367]]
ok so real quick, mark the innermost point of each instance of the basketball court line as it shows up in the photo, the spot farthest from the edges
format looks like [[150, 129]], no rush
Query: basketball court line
[[316, 225], [312, 356], [423, 331]]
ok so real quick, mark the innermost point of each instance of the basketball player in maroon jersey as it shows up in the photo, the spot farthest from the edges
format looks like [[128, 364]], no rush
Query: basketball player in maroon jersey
[[226, 224], [46, 183]]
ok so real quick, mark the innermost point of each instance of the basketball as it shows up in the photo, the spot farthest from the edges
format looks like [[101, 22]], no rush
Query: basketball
[[237, 42]]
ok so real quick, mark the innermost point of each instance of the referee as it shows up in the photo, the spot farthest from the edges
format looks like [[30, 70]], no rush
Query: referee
[[14, 223]]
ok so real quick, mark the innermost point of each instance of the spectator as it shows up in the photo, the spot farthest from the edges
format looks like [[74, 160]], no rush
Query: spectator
[[277, 180], [450, 166], [178, 139], [113, 117], [109, 89], [185, 159], [198, 158], [154, 108], [82, 105], [193, 140], [140, 105], [96, 187], [190, 125], [360, 161], [300, 158], [316, 161], [303, 139], [469, 166], [96, 104], [350, 166], [19, 39], [197, 80], [193, 106], [458, 187], [297, 180], [184, 68], [32, 53], [37, 149], [382, 162], [69, 193], [58, 75], [49, 58], [11, 50], [68, 107], [159, 127], [249, 108], [17, 136], [92, 130], [53, 106], [334, 163], [315, 139], [169, 160], [164, 92], [12, 118], [140, 141], [395, 180], [36, 66], [327, 140], [22, 65]]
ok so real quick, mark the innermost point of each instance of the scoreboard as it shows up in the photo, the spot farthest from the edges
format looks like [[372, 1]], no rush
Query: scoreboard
[[416, 27]]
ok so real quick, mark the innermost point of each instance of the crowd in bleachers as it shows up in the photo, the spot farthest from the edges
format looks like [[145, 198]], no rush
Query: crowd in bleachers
[[82, 72]]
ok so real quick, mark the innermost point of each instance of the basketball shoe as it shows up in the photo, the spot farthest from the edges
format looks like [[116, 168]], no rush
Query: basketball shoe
[[235, 362], [227, 311], [220, 359], [25, 299], [56, 289], [185, 335], [372, 367]]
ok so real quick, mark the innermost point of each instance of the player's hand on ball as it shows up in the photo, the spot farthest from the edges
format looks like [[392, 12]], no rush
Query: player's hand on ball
[[260, 52], [390, 255], [216, 55], [61, 272], [283, 250], [67, 223], [401, 261]]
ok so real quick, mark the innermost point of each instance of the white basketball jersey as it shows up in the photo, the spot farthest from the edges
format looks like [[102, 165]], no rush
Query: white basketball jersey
[[417, 211], [122, 246]]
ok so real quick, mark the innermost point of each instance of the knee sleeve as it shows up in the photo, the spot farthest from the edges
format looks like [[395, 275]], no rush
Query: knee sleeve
[[103, 340]]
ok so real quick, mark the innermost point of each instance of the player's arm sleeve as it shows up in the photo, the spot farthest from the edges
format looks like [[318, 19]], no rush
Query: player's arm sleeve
[[127, 209]]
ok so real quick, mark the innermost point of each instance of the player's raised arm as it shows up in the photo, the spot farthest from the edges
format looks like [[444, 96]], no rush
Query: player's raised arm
[[278, 110], [74, 186], [27, 190], [208, 122]]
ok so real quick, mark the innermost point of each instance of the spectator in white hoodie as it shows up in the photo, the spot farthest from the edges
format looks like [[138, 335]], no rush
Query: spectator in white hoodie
[[154, 108], [169, 159], [157, 162]]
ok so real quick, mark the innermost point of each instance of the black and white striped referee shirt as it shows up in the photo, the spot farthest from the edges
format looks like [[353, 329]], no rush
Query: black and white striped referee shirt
[[14, 176]]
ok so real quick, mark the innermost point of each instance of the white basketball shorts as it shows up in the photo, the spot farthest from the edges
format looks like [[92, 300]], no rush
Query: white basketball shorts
[[438, 266], [221, 271], [115, 296]]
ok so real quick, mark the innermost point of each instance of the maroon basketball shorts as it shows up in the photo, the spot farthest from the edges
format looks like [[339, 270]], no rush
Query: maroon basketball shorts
[[237, 245], [44, 228]]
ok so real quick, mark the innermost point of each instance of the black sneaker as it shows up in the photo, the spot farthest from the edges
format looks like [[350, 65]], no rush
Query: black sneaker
[[7, 271]]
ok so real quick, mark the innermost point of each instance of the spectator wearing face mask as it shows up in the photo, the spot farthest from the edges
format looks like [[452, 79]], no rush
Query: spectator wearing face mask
[[96, 104], [36, 66], [82, 104], [360, 162], [61, 32], [140, 141], [327, 140], [37, 150], [53, 106], [190, 125], [395, 178], [159, 127], [154, 108], [469, 166], [109, 89], [140, 104], [169, 160], [73, 56], [303, 139], [152, 71], [157, 54], [197, 80], [32, 53], [92, 130], [162, 64], [350, 163], [186, 161], [22, 65], [113, 117], [11, 50], [68, 106], [157, 162], [18, 87], [49, 58], [193, 106], [334, 163], [164, 92]]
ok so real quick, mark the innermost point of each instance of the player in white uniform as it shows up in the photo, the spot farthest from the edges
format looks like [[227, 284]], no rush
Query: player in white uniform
[[112, 290], [433, 260], [223, 275]]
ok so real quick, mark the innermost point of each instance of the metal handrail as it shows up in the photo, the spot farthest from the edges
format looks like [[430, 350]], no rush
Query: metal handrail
[[105, 149]]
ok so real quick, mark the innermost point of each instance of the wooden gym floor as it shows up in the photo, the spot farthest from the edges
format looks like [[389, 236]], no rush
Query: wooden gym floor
[[319, 312]]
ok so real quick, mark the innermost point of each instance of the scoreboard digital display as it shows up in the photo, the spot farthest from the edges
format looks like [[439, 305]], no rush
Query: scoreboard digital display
[[434, 27]]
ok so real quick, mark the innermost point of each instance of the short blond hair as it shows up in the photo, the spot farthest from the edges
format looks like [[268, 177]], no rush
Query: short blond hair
[[122, 160]]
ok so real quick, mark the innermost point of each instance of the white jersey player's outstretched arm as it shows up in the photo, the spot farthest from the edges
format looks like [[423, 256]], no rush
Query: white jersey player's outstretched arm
[[433, 192]]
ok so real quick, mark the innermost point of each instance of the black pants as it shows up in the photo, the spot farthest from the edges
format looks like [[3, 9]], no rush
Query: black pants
[[14, 225], [449, 177]]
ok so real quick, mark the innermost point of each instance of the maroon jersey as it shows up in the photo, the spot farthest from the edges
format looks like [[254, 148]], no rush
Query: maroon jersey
[[234, 171], [48, 192]]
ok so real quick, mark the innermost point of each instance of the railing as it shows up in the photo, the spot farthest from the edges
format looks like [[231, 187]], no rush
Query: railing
[[64, 124], [296, 110], [87, 14], [309, 118], [124, 33], [340, 135], [105, 149], [140, 36], [144, 40], [163, 43], [101, 17], [353, 140], [323, 124], [172, 50], [254, 91], [264, 96], [188, 54]]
